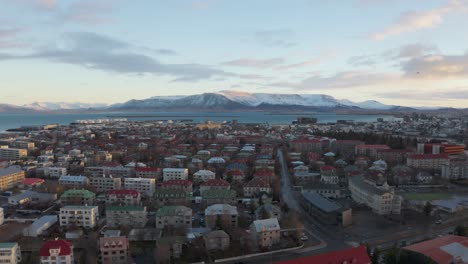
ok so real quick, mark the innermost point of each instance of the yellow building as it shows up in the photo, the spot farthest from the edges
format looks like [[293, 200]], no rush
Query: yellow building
[[10, 177]]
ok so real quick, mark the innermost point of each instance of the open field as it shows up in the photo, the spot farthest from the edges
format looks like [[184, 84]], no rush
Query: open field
[[427, 196]]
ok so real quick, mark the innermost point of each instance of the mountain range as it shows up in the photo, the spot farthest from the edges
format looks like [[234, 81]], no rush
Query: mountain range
[[217, 101]]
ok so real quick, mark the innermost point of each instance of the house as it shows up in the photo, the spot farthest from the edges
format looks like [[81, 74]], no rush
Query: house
[[126, 216], [356, 255], [204, 175], [171, 196], [216, 240], [215, 184], [221, 214], [114, 250], [78, 197], [56, 252], [176, 216], [214, 196], [185, 185], [40, 225], [442, 250], [266, 232], [256, 186], [32, 197], [147, 172], [10, 253], [105, 183], [328, 175], [123, 197], [79, 216], [73, 181], [146, 186], [30, 183], [2, 216]]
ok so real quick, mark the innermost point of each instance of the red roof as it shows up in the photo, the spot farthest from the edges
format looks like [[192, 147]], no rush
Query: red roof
[[111, 164], [257, 182], [215, 182], [168, 183], [305, 141], [327, 168], [134, 193], [433, 248], [428, 156], [32, 181], [146, 169], [372, 147], [64, 246], [356, 255]]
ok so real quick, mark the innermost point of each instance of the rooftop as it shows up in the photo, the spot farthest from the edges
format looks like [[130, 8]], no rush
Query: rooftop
[[443, 250], [357, 255], [125, 208], [321, 202]]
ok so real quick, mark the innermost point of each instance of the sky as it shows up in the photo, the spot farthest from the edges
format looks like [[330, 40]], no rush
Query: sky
[[410, 53]]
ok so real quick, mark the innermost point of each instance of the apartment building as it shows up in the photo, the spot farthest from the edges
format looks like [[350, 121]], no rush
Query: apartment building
[[175, 174], [176, 216], [105, 183], [256, 186], [126, 216], [266, 232], [147, 172], [370, 151], [57, 252], [204, 175], [455, 170], [114, 250], [123, 197], [73, 181], [223, 214], [11, 177], [55, 172], [146, 186], [10, 253], [13, 153], [2, 216], [381, 199], [216, 240], [78, 197], [80, 216], [427, 161]]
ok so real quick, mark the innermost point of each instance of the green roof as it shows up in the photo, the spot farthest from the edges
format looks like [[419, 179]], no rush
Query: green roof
[[8, 245], [219, 193], [81, 193], [171, 193], [171, 210], [125, 208], [427, 196]]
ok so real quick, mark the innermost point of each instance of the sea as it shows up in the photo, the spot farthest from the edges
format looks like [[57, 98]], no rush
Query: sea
[[16, 120]]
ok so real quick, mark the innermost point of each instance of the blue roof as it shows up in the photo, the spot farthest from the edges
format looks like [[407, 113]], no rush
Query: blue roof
[[321, 202]]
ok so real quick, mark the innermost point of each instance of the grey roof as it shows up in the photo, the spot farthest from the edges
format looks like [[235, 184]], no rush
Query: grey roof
[[10, 170], [43, 220], [321, 202], [266, 225], [358, 180]]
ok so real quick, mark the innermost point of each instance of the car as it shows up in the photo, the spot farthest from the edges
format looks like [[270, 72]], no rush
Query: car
[[438, 222], [304, 238]]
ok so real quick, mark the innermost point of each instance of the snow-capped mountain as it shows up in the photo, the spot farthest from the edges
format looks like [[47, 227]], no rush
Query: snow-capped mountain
[[235, 100], [47, 106]]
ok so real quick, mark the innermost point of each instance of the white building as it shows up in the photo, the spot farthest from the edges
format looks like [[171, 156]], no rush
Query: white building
[[177, 216], [145, 186], [10, 253], [381, 199], [55, 172], [40, 225], [2, 216], [56, 252], [82, 216], [73, 180], [105, 183], [266, 232], [175, 174], [204, 175]]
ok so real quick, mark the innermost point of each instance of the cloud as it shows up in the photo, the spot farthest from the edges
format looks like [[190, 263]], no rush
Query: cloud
[[346, 79], [363, 60], [454, 93], [437, 67], [8, 38], [275, 38], [44, 5], [100, 52], [413, 20], [255, 63], [88, 12], [414, 50]]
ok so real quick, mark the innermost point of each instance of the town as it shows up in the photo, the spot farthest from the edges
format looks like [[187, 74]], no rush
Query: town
[[175, 191]]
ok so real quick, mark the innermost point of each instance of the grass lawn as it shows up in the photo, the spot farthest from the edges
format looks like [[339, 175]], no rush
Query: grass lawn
[[427, 196]]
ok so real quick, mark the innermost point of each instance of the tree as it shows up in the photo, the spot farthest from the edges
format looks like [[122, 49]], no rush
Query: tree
[[460, 231], [375, 256], [427, 209]]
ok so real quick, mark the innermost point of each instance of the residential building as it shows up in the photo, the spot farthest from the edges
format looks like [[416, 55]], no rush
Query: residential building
[[78, 197], [440, 148], [10, 253], [2, 216], [171, 196], [355, 255], [73, 181], [123, 197], [147, 172], [325, 210], [175, 174], [13, 153], [381, 199], [126, 216], [307, 145], [223, 214], [105, 183], [55, 172], [32, 197], [39, 226], [216, 240], [176, 216], [146, 186], [185, 185], [268, 211], [455, 170], [394, 156], [214, 184], [328, 175], [266, 232], [114, 250], [214, 196], [256, 186], [56, 252], [79, 216], [345, 148], [370, 151], [204, 175], [427, 161], [11, 177]]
